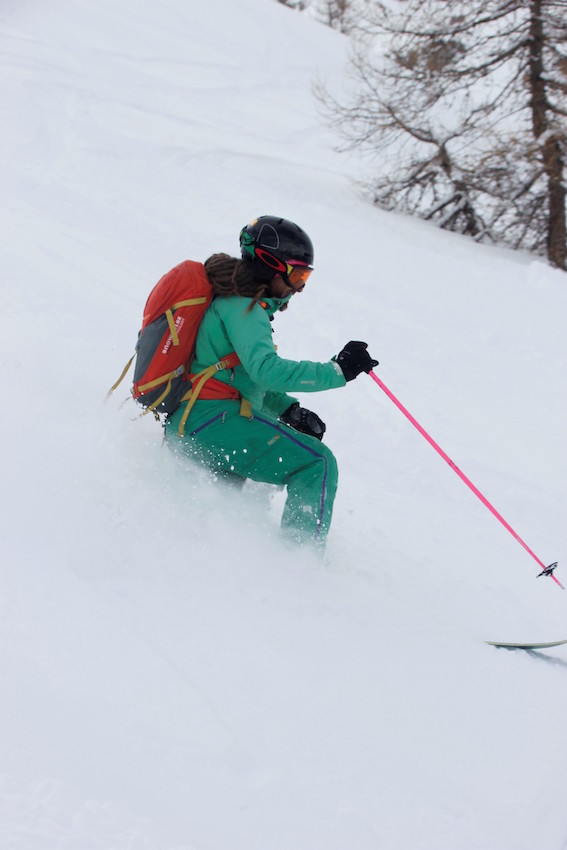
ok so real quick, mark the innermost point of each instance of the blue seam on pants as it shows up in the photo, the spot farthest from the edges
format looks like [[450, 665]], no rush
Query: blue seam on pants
[[206, 424], [315, 454]]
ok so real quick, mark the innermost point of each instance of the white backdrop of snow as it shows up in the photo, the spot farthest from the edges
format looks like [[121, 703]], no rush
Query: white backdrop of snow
[[172, 677]]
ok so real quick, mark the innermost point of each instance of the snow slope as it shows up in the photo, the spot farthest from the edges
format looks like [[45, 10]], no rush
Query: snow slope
[[172, 678]]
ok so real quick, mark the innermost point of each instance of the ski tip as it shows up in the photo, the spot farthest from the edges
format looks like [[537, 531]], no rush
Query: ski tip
[[543, 645]]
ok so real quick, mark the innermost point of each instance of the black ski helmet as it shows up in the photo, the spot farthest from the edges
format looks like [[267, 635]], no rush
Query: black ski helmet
[[270, 242]]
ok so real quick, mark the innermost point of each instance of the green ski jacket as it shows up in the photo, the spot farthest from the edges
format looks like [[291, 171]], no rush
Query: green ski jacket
[[263, 378]]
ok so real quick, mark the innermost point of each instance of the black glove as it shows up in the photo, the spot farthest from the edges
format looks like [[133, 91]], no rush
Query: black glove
[[304, 420], [354, 359]]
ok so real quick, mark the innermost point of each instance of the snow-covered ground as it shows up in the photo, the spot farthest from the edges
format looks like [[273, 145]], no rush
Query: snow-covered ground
[[172, 678]]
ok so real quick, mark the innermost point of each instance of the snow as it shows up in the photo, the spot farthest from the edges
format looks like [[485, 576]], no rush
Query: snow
[[173, 678]]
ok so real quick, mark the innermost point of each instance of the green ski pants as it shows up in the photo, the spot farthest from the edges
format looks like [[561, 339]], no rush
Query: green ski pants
[[264, 449]]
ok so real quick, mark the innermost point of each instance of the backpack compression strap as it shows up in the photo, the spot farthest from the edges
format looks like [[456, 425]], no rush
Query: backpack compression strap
[[198, 382], [189, 302], [151, 385], [122, 376]]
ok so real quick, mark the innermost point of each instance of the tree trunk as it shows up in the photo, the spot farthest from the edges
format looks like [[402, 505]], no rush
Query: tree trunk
[[557, 228], [552, 159]]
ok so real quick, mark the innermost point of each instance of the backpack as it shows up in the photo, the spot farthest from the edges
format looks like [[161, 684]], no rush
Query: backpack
[[166, 342]]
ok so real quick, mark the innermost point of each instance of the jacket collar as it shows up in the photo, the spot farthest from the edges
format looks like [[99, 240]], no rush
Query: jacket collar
[[272, 305]]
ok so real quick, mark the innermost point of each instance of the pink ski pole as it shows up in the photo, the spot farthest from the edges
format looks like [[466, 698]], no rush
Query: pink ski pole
[[546, 570]]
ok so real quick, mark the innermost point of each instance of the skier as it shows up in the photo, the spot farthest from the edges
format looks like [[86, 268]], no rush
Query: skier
[[243, 424]]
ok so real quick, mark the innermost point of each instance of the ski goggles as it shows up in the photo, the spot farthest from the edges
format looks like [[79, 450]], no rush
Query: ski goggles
[[297, 274]]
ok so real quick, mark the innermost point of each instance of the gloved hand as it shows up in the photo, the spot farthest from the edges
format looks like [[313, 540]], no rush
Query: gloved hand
[[354, 359], [304, 420]]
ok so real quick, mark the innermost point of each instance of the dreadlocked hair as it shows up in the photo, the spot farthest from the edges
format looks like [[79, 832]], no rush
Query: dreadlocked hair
[[230, 276]]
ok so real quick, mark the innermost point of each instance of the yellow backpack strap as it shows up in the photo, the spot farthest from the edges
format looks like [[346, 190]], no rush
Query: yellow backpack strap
[[189, 302], [198, 383], [159, 400], [190, 399], [192, 395], [151, 385], [156, 383], [122, 376], [172, 328], [245, 408]]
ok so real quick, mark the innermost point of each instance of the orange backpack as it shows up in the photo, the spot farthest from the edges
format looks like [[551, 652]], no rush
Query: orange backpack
[[172, 315]]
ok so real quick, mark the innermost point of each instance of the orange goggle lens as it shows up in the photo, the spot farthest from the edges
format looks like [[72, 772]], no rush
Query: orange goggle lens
[[298, 275]]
